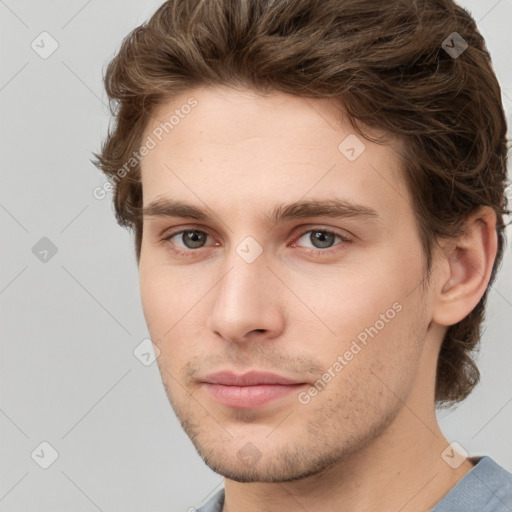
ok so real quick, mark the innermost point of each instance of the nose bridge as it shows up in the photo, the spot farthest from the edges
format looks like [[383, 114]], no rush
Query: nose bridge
[[245, 299]]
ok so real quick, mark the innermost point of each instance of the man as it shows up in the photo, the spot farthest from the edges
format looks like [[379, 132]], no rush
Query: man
[[317, 190]]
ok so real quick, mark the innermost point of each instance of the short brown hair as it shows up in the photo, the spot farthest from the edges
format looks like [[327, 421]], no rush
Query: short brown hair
[[386, 62]]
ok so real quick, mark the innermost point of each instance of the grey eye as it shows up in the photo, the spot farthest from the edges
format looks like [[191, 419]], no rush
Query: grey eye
[[193, 239], [321, 239]]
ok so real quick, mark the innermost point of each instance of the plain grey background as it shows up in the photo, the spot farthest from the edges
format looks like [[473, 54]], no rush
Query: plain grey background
[[71, 319]]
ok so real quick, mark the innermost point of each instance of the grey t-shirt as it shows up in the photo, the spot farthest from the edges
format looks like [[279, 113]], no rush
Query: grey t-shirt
[[486, 488]]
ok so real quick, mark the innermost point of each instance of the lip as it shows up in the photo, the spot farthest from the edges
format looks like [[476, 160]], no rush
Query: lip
[[252, 378], [250, 390]]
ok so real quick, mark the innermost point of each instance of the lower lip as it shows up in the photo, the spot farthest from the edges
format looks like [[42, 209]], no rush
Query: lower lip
[[249, 396]]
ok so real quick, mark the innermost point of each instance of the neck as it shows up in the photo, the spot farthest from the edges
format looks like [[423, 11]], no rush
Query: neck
[[401, 470]]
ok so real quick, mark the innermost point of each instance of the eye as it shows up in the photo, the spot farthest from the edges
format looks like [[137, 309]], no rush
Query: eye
[[321, 239], [190, 238], [186, 242]]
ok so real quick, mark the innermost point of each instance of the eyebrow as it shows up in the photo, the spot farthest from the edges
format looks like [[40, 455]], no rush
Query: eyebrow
[[335, 208]]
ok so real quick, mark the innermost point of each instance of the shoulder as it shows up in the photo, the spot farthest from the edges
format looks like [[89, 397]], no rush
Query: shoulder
[[214, 504], [486, 488]]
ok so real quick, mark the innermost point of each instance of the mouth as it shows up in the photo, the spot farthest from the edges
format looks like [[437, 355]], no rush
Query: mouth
[[250, 390]]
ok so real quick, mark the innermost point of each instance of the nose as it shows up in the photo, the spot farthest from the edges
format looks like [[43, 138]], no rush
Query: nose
[[246, 303]]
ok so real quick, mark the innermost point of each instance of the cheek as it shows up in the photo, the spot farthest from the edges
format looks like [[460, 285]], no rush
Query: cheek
[[160, 298], [356, 300], [376, 367], [164, 290], [377, 315], [171, 303], [151, 294]]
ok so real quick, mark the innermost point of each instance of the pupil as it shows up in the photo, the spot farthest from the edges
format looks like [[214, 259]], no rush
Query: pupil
[[193, 239], [323, 239]]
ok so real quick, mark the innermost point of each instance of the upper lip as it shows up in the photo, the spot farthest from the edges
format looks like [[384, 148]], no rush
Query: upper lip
[[252, 378]]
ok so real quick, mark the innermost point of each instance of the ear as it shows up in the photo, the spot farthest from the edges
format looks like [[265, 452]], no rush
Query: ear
[[468, 262]]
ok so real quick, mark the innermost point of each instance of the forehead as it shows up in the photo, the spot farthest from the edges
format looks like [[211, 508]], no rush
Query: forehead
[[247, 147], [225, 112]]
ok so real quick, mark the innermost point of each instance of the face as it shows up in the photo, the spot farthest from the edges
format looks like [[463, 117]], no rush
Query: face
[[273, 243]]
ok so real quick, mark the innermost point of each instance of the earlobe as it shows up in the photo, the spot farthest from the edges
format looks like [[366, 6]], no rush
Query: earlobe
[[470, 261]]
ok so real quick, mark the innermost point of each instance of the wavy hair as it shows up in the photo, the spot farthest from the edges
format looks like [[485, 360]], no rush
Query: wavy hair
[[389, 65]]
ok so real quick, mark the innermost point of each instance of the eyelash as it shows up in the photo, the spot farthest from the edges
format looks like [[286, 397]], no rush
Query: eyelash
[[314, 252]]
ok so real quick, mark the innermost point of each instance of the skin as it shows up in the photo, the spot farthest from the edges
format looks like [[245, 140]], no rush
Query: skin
[[370, 438]]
